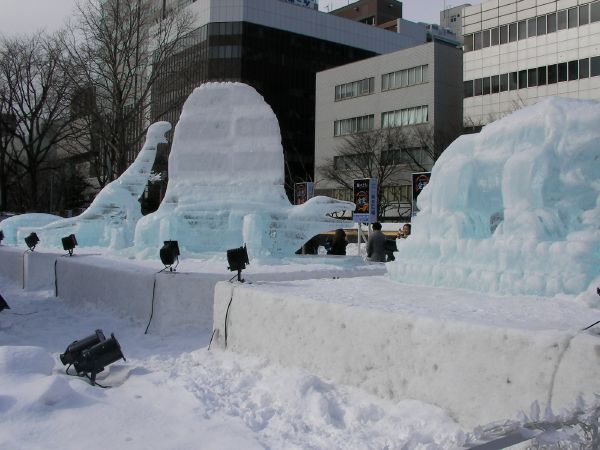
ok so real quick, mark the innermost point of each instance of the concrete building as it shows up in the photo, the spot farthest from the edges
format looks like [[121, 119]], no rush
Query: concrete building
[[452, 19], [371, 12], [519, 52], [415, 89], [276, 47]]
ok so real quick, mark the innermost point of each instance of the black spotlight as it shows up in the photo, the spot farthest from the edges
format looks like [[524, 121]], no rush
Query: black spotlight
[[31, 241], [3, 304], [1, 236], [94, 359], [69, 243], [73, 352], [169, 254], [237, 258]]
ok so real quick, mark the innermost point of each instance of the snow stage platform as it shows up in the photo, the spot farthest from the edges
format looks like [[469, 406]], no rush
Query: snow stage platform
[[128, 287], [479, 356]]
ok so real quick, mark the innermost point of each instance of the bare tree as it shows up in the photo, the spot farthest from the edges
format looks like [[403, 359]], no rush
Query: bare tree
[[388, 154], [35, 96], [119, 48]]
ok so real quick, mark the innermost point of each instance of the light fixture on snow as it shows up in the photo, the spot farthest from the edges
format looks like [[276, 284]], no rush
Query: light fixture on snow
[[69, 243], [237, 258], [31, 241], [3, 304], [169, 254], [92, 354]]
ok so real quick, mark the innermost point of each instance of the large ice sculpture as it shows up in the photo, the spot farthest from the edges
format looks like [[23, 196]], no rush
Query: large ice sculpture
[[515, 208], [11, 225], [226, 174], [111, 218]]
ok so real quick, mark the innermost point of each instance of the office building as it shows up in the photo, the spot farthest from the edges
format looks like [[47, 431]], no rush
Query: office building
[[519, 52]]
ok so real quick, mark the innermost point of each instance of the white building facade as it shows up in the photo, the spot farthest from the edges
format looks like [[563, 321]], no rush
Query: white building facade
[[517, 52]]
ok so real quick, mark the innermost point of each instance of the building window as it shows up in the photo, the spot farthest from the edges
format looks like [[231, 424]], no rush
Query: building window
[[477, 41], [562, 19], [584, 15], [532, 77], [531, 27], [406, 116], [504, 82], [353, 125], [512, 32], [468, 88], [503, 34], [355, 89], [512, 81], [551, 23], [522, 79], [495, 84], [572, 14], [573, 70], [595, 66], [584, 68], [595, 12], [486, 86], [485, 38], [552, 74], [541, 25], [347, 162], [404, 78], [563, 72], [478, 87], [494, 38], [541, 72], [468, 43], [522, 29]]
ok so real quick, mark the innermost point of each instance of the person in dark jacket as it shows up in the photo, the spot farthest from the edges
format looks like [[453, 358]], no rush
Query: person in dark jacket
[[376, 244], [339, 243]]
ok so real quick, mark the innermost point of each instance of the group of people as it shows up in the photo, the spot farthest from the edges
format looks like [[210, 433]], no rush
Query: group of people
[[379, 248]]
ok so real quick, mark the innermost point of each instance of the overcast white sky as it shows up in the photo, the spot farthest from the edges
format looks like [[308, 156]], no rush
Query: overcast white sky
[[24, 16]]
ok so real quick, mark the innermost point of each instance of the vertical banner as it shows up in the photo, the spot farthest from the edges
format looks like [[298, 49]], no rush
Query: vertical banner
[[365, 199], [419, 181], [303, 191]]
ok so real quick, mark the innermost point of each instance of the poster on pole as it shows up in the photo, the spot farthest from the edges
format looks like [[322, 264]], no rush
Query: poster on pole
[[365, 199], [303, 192], [419, 181]]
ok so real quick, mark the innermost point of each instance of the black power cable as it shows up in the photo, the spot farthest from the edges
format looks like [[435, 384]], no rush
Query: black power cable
[[227, 316], [152, 307]]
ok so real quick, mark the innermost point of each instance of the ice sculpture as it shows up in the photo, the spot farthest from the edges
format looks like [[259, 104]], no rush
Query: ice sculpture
[[226, 173], [111, 218], [515, 208], [11, 225]]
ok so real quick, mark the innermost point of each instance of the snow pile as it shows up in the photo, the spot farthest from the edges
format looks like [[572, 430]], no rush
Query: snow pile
[[515, 208], [226, 175], [111, 218]]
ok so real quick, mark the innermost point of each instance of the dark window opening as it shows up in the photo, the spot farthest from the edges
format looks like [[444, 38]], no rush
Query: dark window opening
[[468, 85], [512, 32], [495, 84], [595, 66], [584, 68], [486, 86], [562, 19], [504, 82], [522, 29], [584, 15], [541, 25], [485, 38], [552, 74], [512, 81], [477, 41], [573, 70], [551, 27], [522, 79], [531, 28], [563, 72], [495, 38], [503, 34], [572, 17], [541, 71], [478, 87], [532, 77]]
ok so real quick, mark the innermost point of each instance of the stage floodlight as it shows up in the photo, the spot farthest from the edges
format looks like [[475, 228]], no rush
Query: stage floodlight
[[95, 359], [237, 258], [3, 304], [73, 352], [1, 236], [169, 255], [69, 243], [31, 241]]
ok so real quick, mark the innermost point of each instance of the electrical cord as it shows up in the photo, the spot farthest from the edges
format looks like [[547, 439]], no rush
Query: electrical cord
[[152, 307], [92, 382], [587, 328], [227, 315], [55, 279], [211, 339]]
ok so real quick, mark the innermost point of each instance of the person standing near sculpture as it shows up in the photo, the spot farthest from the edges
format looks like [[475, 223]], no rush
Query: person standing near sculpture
[[376, 244], [339, 243]]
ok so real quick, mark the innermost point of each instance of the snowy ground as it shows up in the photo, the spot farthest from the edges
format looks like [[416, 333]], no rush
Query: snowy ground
[[173, 393]]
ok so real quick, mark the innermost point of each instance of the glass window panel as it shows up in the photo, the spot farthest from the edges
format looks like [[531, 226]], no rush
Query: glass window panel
[[495, 84], [562, 72], [468, 88], [584, 14], [522, 29], [551, 23], [541, 71], [384, 82], [595, 66], [573, 70], [418, 118], [405, 77], [532, 77], [552, 74], [561, 19], [522, 79], [504, 82], [595, 12], [411, 116], [384, 120], [425, 113], [512, 81], [512, 32], [477, 41], [584, 68], [503, 34], [478, 86], [486, 86], [541, 25], [485, 38], [418, 75], [411, 76], [372, 84], [405, 117], [397, 118], [572, 14], [468, 43], [355, 89], [337, 92], [494, 36], [425, 73], [393, 80], [531, 27]]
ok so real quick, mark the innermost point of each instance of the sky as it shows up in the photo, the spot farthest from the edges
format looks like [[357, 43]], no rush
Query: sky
[[25, 16]]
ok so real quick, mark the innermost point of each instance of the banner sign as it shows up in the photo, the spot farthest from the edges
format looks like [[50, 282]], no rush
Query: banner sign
[[365, 199], [419, 181], [303, 191]]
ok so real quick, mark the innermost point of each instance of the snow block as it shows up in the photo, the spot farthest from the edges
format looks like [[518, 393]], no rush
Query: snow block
[[39, 270], [470, 357], [11, 263]]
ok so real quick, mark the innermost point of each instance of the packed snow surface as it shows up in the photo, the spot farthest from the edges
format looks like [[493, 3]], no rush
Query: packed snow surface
[[226, 175], [514, 209]]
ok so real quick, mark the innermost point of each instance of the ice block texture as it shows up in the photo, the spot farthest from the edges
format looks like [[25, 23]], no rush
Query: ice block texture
[[226, 175], [11, 225], [514, 209]]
